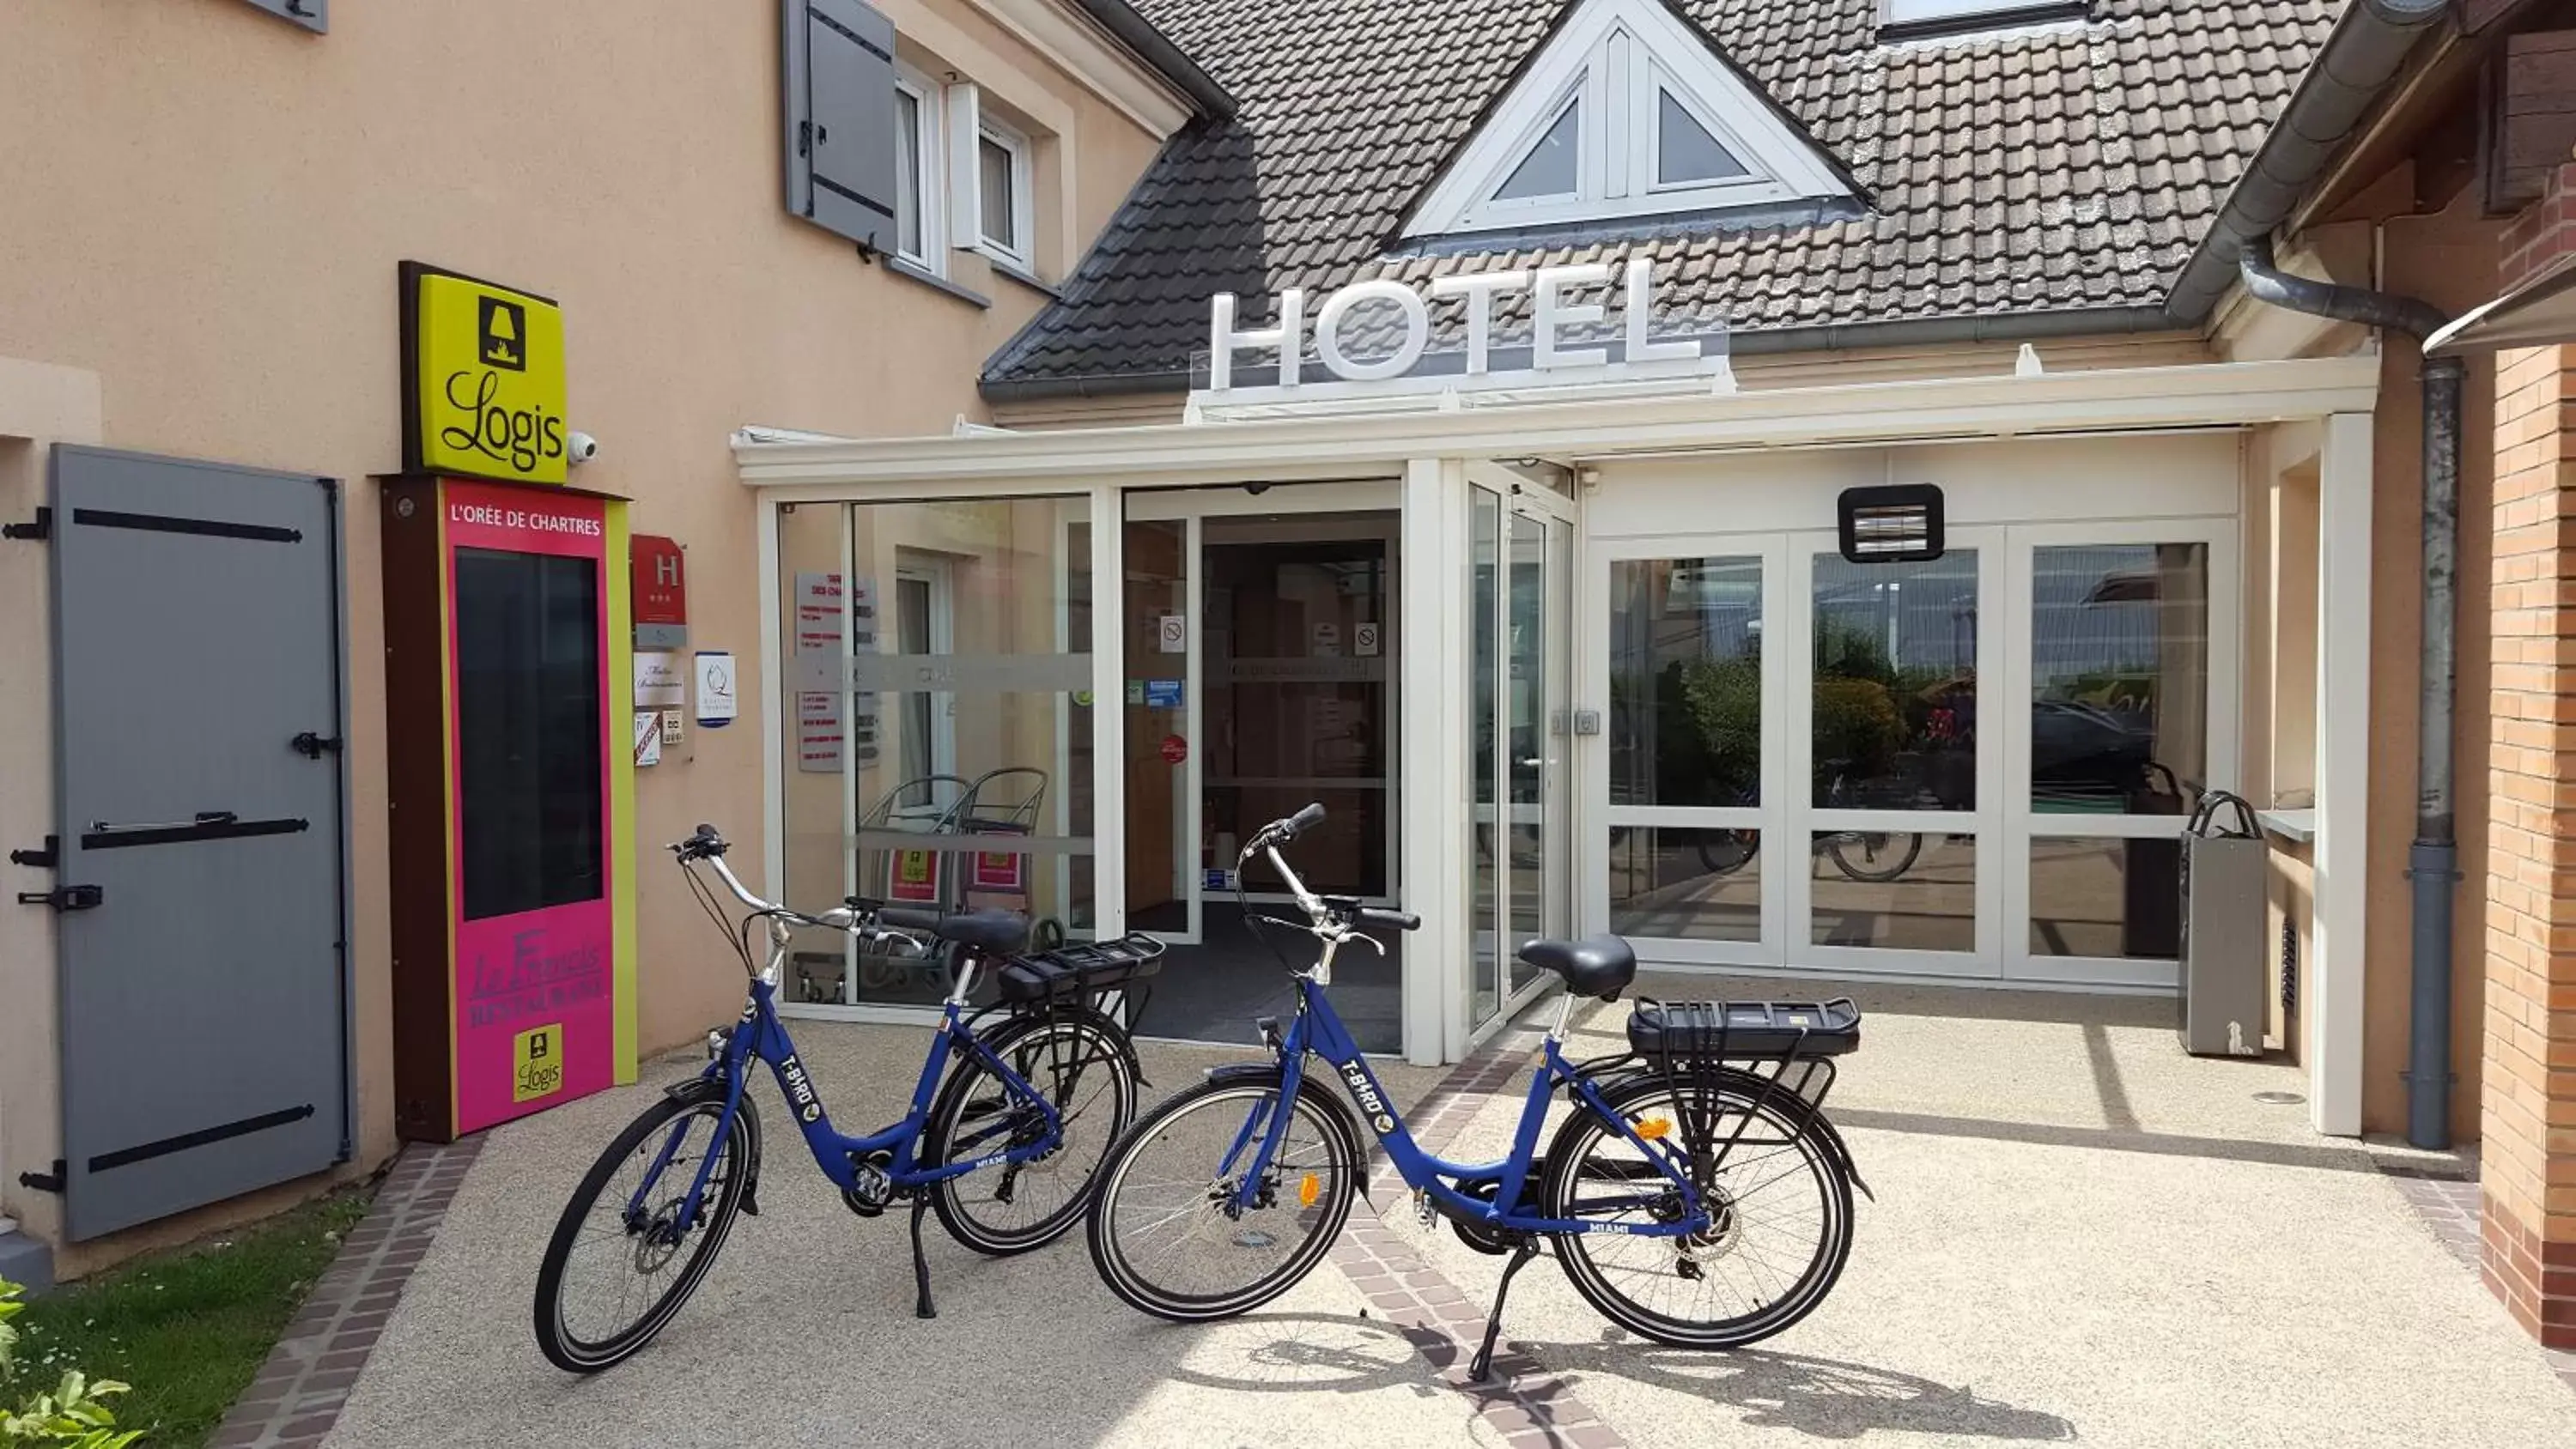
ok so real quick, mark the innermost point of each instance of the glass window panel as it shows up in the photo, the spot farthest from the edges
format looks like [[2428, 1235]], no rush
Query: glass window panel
[[2120, 677], [1551, 168], [1896, 890], [1157, 682], [994, 163], [1484, 649], [1896, 683], [1687, 885], [1528, 616], [529, 779], [2120, 899], [1684, 149], [939, 698], [1686, 681], [907, 173]]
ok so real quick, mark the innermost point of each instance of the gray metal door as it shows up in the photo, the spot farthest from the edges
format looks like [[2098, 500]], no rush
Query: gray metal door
[[199, 884]]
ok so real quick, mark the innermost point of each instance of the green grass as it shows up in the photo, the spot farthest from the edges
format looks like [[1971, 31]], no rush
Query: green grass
[[188, 1328]]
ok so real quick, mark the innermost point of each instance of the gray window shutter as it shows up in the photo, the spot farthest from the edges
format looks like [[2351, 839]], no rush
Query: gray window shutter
[[840, 118], [313, 15]]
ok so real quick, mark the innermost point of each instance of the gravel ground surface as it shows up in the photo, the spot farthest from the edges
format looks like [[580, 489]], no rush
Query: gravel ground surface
[[2079, 1234]]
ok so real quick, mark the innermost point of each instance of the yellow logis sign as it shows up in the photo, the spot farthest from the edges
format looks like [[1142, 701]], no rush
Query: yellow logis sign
[[485, 380], [536, 1062]]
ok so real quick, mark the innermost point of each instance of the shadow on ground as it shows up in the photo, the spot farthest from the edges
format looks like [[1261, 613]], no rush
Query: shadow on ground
[[1822, 1397]]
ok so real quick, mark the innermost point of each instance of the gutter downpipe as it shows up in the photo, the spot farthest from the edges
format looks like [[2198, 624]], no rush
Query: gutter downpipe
[[2432, 862]]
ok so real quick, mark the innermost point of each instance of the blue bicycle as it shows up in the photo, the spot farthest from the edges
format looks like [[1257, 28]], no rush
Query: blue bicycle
[[1003, 1148], [1694, 1192]]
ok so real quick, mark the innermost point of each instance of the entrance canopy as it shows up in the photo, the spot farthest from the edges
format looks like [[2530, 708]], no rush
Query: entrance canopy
[[1422, 592]]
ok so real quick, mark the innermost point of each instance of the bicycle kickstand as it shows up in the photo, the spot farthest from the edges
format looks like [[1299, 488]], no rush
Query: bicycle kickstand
[[1483, 1366], [921, 1307]]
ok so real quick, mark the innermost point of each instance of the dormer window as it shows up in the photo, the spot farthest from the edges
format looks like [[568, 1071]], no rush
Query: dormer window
[[1627, 113], [1928, 19]]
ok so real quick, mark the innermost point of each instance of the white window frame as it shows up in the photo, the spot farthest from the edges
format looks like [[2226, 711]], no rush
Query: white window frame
[[1615, 55], [930, 191], [1020, 249], [1964, 13]]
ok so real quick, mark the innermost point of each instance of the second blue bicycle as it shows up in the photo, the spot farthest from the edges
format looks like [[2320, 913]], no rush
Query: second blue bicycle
[[1694, 1192]]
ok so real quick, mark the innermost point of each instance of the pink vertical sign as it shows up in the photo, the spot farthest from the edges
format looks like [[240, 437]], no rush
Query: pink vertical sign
[[534, 991]]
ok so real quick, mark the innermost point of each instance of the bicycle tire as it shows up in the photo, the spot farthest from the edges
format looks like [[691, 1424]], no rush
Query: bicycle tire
[[1024, 1043], [1818, 1157], [556, 1338], [1743, 845], [1876, 874], [1337, 1178]]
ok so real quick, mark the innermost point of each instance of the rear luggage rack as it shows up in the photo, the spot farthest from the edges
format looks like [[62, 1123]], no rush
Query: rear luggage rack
[[1095, 971], [1744, 1030], [1769, 1047]]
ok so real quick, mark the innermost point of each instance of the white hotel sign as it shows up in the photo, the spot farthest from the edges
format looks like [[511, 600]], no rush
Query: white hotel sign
[[1551, 314]]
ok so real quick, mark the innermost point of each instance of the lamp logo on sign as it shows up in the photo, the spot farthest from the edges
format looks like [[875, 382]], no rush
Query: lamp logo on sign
[[483, 379]]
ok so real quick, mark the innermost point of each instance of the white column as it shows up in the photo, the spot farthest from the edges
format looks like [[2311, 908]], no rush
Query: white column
[[1108, 711], [2335, 979], [1433, 644]]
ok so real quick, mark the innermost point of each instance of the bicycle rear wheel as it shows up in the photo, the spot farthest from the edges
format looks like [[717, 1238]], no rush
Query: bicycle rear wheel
[[1162, 1233], [1079, 1060], [1876, 856], [1780, 1207], [618, 1267]]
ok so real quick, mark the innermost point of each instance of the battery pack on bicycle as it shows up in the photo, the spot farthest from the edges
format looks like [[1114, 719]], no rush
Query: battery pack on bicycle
[[1694, 1194]]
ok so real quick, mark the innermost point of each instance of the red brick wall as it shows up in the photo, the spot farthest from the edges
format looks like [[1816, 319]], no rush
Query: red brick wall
[[2528, 1091]]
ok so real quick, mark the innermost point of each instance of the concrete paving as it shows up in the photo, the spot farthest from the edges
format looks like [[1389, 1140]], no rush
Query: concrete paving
[[2079, 1234]]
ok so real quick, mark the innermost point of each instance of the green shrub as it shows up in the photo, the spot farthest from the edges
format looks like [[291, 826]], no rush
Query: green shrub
[[72, 1415]]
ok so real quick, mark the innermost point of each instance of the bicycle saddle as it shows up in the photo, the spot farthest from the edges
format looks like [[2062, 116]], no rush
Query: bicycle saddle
[[1003, 933], [1599, 966]]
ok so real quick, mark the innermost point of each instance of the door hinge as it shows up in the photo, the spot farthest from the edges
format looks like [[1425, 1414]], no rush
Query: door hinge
[[44, 1181], [66, 898], [312, 746], [36, 532], [39, 859], [804, 138]]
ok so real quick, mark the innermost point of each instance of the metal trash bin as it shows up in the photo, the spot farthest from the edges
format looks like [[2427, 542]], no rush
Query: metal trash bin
[[2221, 1002]]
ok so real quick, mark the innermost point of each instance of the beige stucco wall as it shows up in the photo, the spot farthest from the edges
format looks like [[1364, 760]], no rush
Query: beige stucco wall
[[204, 208]]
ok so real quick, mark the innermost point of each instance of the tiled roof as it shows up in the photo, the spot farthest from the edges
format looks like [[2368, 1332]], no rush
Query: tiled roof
[[2061, 168]]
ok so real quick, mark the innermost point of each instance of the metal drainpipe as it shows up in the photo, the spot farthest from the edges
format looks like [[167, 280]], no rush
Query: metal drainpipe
[[2432, 862]]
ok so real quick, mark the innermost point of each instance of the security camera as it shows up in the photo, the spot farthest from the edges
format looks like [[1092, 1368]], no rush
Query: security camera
[[581, 447]]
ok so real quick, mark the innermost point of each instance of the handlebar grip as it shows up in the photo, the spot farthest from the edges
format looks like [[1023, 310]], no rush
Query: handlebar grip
[[1401, 920], [1301, 822]]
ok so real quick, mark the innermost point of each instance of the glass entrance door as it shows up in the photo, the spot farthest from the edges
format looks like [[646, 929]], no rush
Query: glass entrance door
[[1520, 666]]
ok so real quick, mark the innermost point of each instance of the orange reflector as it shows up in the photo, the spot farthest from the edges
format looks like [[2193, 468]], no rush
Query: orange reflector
[[1653, 1131], [1309, 1188]]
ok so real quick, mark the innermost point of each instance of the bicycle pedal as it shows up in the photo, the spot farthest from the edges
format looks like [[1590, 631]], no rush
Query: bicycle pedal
[[1425, 1216]]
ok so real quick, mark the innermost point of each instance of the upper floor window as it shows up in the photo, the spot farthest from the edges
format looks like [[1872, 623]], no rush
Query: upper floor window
[[1003, 194], [1629, 112], [917, 212], [1912, 19]]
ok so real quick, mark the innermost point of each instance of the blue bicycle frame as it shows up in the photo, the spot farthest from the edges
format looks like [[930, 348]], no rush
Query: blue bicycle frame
[[760, 1034], [1319, 1030]]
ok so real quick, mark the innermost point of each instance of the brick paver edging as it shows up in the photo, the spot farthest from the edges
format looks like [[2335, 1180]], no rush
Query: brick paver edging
[[297, 1396], [1529, 1406], [2455, 1209]]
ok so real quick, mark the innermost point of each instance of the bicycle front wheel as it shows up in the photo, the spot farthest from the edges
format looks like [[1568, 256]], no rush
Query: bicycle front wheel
[[1779, 1205], [1079, 1060], [1165, 1234], [619, 1264], [1875, 856]]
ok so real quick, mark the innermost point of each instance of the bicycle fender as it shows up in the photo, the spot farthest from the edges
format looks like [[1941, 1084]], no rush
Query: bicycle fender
[[1610, 1082], [1324, 1096], [712, 1089]]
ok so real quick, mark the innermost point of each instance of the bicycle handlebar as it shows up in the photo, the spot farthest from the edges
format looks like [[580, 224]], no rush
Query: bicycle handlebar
[[864, 919]]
